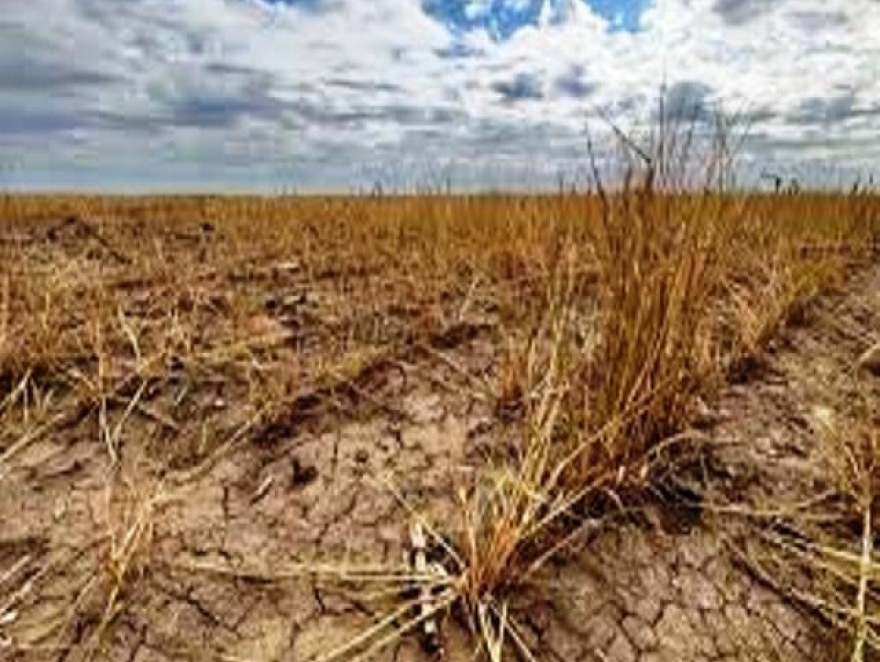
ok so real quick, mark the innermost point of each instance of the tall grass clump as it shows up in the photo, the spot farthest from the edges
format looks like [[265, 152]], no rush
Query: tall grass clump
[[610, 375], [661, 259]]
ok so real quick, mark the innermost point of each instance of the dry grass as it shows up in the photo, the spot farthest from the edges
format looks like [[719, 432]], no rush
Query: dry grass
[[608, 314], [688, 285]]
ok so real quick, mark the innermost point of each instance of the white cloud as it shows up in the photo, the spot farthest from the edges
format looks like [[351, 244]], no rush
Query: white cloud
[[239, 90]]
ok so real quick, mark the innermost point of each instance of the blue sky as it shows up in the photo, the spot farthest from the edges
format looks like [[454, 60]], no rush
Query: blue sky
[[335, 94], [502, 19]]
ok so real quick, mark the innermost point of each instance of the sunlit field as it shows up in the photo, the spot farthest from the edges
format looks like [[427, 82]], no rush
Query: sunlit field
[[163, 359]]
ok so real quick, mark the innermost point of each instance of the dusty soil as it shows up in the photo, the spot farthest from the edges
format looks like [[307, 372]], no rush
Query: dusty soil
[[192, 545]]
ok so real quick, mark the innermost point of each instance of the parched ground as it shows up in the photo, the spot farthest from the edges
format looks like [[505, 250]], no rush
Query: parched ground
[[684, 592], [201, 540]]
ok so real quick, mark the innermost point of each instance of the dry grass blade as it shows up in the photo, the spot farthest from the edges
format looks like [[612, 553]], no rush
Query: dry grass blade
[[492, 633], [864, 574], [4, 313], [129, 546], [514, 632], [336, 572], [15, 393], [441, 603], [387, 482]]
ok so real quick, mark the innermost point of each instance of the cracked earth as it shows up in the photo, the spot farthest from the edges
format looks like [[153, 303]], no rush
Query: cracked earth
[[200, 553]]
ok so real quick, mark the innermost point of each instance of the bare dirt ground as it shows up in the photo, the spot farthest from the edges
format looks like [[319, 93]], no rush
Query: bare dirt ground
[[192, 544]]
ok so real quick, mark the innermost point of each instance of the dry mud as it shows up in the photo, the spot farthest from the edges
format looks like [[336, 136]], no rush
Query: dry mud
[[204, 560]]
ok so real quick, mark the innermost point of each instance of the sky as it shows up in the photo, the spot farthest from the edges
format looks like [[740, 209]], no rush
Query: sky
[[334, 95]]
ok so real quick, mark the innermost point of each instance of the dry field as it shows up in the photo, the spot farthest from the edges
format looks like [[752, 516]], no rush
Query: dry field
[[629, 427]]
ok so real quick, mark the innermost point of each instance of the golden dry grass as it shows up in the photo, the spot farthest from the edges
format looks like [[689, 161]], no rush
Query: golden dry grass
[[609, 313]]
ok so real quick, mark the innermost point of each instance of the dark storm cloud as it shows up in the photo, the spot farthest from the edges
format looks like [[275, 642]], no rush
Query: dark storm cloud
[[27, 64], [217, 96], [823, 110], [803, 141], [221, 111], [832, 110], [573, 84], [819, 20], [361, 86], [226, 69], [687, 101], [738, 12], [14, 122], [311, 6], [504, 137], [458, 50], [754, 116], [22, 73], [521, 87], [360, 115]]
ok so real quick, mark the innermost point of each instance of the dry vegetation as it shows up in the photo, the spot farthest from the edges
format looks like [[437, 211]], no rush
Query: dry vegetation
[[608, 320]]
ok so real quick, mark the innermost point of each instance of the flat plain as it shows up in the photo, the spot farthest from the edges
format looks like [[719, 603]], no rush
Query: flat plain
[[630, 426]]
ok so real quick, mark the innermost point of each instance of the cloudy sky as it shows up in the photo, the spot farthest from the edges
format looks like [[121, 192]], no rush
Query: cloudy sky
[[334, 94]]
